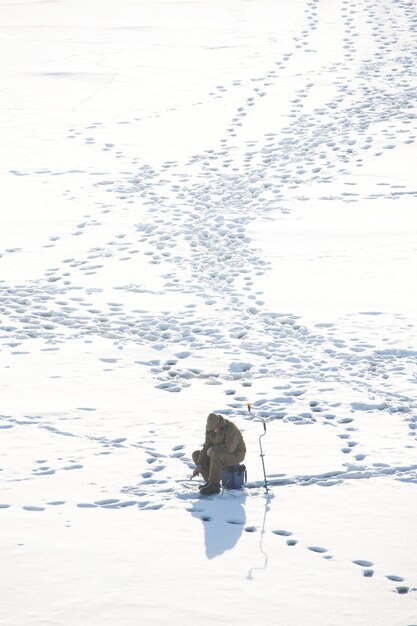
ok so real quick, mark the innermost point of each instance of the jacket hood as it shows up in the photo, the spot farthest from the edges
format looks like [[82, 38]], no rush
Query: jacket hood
[[214, 420]]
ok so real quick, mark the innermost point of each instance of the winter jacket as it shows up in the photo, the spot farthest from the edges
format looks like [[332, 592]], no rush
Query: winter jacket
[[228, 439]]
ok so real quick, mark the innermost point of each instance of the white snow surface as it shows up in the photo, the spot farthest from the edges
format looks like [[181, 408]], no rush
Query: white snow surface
[[204, 204]]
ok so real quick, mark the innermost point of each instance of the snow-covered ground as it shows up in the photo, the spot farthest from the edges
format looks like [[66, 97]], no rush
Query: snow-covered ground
[[207, 203]]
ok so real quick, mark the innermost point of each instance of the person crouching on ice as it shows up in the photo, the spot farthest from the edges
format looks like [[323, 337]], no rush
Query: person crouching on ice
[[223, 446]]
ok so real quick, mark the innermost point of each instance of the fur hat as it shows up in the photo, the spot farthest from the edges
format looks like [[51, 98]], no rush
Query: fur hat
[[214, 421]]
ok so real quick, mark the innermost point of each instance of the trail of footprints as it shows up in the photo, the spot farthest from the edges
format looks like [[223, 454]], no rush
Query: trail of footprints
[[154, 459], [213, 198], [360, 364], [147, 505], [306, 148], [287, 535], [153, 480], [366, 566], [143, 500]]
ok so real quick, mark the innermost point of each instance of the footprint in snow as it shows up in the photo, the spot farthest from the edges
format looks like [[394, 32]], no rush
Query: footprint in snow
[[402, 589], [43, 471], [106, 502], [33, 508], [152, 507], [363, 563], [317, 549]]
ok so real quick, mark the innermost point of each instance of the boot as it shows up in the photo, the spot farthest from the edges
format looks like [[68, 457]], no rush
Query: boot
[[210, 490], [202, 486]]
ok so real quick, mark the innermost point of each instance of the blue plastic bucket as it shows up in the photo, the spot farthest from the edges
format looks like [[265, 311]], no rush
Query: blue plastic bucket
[[233, 477]]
